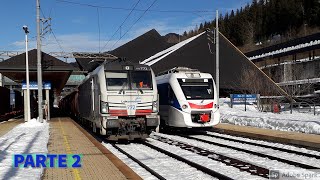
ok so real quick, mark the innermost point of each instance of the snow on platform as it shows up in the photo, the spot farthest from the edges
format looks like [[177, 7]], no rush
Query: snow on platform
[[26, 138], [284, 121]]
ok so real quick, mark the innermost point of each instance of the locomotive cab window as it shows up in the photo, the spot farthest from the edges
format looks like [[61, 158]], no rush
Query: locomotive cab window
[[197, 90], [141, 80], [117, 80]]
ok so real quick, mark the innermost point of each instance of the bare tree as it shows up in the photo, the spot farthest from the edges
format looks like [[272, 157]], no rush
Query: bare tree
[[251, 81]]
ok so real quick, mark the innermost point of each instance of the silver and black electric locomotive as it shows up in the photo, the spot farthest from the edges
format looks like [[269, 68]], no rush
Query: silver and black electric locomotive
[[118, 99]]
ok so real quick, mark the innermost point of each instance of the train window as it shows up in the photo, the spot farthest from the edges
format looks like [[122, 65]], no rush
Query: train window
[[141, 80], [117, 80], [197, 90]]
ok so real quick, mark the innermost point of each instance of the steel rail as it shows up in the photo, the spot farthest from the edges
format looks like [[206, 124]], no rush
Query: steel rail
[[266, 146], [239, 164], [190, 163], [151, 171], [297, 164]]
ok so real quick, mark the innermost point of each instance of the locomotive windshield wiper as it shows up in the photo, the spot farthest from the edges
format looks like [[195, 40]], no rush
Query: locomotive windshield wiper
[[140, 90], [122, 88]]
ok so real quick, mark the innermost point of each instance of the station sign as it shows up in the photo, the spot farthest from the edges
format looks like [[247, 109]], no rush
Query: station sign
[[33, 85], [243, 98]]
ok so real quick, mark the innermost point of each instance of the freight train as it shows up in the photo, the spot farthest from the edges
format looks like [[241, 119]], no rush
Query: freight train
[[188, 99], [119, 99], [10, 109]]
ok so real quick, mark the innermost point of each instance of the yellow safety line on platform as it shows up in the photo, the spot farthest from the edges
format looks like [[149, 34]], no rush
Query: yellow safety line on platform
[[68, 149]]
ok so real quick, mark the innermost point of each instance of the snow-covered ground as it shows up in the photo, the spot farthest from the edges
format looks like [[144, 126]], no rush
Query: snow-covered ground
[[26, 138], [164, 165], [284, 121]]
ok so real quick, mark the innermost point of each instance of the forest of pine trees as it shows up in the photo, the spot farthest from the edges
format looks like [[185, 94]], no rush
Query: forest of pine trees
[[263, 20]]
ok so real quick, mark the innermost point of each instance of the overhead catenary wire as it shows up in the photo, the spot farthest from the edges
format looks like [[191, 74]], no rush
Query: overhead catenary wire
[[51, 31], [194, 12], [129, 9], [134, 23], [54, 36], [119, 28]]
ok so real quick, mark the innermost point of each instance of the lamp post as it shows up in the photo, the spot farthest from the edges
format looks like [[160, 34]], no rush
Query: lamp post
[[26, 31]]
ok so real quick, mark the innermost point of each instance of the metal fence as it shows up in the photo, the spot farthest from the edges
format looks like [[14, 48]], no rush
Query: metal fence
[[301, 107]]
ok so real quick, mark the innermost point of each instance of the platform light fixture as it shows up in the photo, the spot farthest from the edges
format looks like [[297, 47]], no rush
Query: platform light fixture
[[26, 31]]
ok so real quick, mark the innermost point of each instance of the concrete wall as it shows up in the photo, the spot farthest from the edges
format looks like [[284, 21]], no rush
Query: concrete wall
[[297, 71]]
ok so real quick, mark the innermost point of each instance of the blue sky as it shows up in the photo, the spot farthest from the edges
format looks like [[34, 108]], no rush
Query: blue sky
[[76, 26]]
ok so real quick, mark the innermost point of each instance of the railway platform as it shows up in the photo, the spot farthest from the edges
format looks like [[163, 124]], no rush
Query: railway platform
[[67, 137], [295, 138], [6, 126]]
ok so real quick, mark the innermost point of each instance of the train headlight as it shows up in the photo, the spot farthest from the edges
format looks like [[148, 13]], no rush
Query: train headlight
[[104, 107], [184, 106], [155, 106]]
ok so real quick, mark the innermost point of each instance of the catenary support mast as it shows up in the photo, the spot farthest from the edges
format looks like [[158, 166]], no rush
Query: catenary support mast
[[39, 71], [217, 56]]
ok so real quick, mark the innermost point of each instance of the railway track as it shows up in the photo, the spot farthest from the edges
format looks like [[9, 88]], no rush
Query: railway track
[[264, 145], [195, 165], [284, 142], [151, 171], [241, 165], [297, 164], [6, 118], [248, 167], [198, 167]]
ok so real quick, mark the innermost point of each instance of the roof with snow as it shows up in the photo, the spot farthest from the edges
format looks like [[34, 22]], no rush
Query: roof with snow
[[307, 43]]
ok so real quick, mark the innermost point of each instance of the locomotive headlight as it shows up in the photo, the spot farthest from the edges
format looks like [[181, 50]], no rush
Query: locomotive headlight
[[104, 107], [184, 106], [155, 106]]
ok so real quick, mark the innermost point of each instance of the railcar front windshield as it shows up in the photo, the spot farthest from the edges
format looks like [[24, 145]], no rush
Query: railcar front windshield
[[125, 80], [197, 90], [141, 80], [117, 80]]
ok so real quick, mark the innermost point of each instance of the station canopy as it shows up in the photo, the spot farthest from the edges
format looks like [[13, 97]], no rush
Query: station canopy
[[54, 70], [87, 62]]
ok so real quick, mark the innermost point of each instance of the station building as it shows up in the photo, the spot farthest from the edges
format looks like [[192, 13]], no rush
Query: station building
[[294, 65], [55, 75]]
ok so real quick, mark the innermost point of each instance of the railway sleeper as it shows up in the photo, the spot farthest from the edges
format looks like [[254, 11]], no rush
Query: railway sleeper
[[253, 169]]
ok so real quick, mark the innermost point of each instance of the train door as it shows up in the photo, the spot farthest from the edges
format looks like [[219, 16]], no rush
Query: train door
[[95, 89], [173, 106], [166, 95], [85, 99], [95, 98]]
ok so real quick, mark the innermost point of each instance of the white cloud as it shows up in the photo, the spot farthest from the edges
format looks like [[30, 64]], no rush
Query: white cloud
[[78, 42], [89, 42]]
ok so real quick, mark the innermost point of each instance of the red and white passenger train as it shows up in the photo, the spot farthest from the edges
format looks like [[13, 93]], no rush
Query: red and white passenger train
[[188, 99]]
